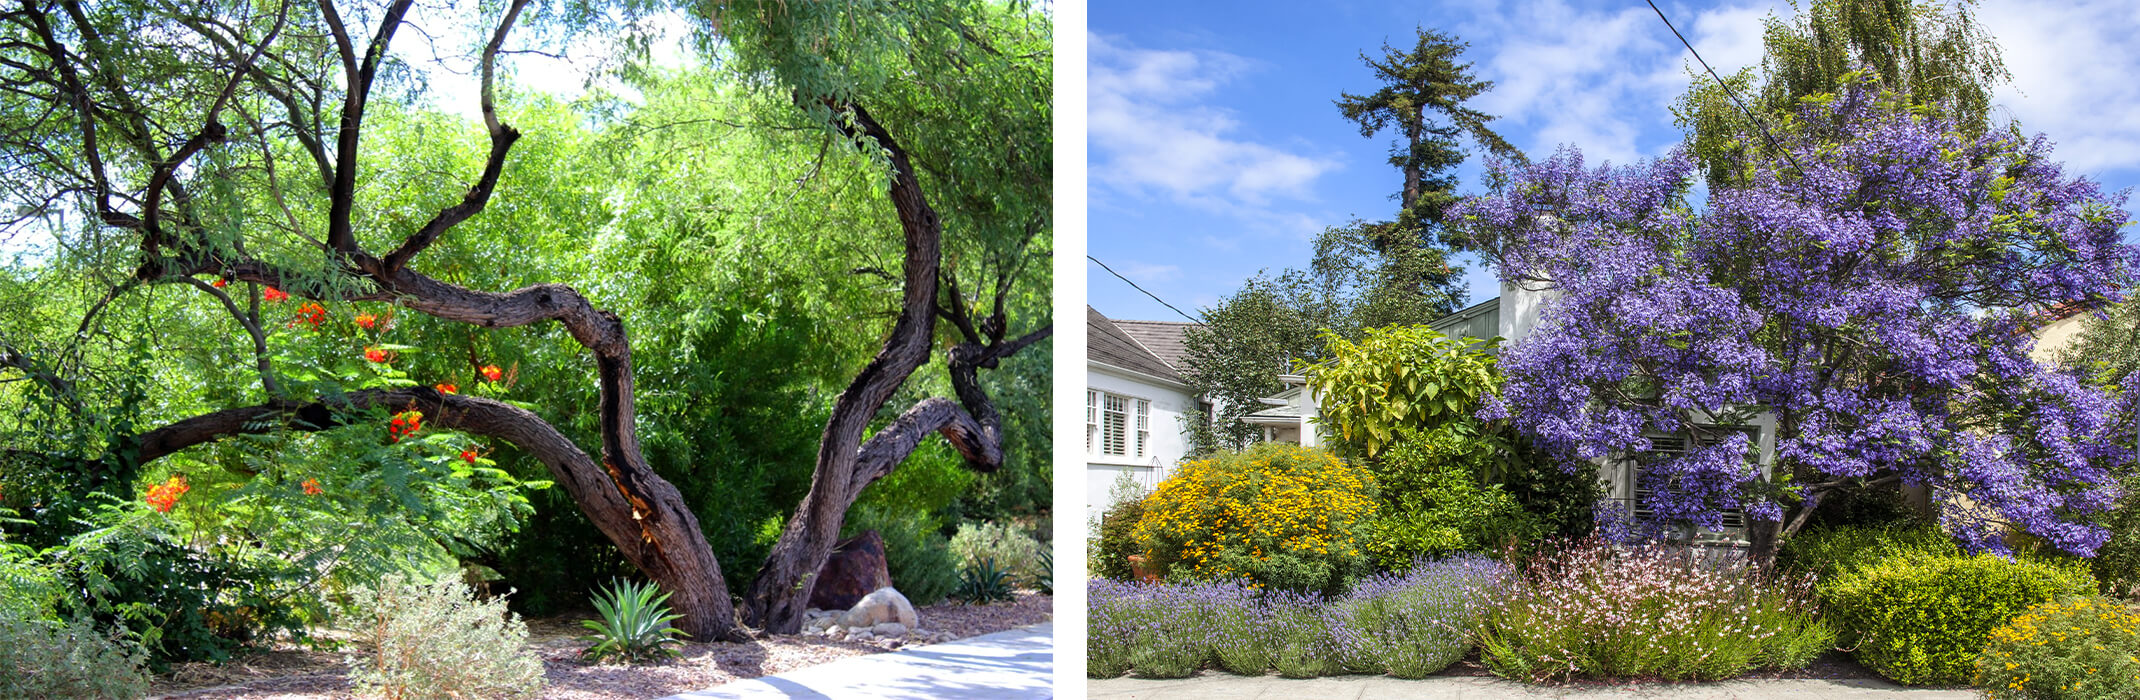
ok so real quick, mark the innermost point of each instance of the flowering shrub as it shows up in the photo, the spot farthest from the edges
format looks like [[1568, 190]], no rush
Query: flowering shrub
[[1409, 626], [273, 294], [1157, 630], [366, 321], [165, 495], [491, 373], [375, 355], [2073, 649], [1421, 622], [1595, 610], [1922, 618], [311, 314], [1278, 515]]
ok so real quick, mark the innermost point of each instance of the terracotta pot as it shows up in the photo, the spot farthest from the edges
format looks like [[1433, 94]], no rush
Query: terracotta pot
[[1142, 569]]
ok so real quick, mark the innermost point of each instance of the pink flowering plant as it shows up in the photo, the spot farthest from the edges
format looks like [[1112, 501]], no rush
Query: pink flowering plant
[[1599, 610]]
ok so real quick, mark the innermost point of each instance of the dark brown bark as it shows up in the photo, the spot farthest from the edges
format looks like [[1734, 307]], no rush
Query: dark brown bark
[[779, 594]]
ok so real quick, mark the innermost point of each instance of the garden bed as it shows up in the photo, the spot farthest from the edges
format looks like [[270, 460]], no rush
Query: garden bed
[[297, 672]]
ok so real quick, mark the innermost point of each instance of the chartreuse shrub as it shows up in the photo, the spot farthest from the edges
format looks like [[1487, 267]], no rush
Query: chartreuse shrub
[[1278, 515], [42, 658], [437, 641], [1434, 501], [2075, 648], [1649, 611], [1920, 619], [1829, 552]]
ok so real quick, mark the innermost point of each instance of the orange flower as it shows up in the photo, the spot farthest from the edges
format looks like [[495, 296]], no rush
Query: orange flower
[[469, 455], [312, 487], [311, 314], [366, 320], [221, 282], [446, 388], [273, 294], [491, 372], [405, 423], [374, 354], [165, 495]]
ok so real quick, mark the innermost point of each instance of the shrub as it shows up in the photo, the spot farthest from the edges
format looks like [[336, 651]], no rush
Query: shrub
[[1434, 501], [1309, 637], [1593, 610], [2077, 648], [1117, 540], [1156, 630], [1827, 553], [1421, 622], [1014, 552], [49, 659], [1921, 618], [1279, 515], [2117, 563], [634, 624], [436, 641]]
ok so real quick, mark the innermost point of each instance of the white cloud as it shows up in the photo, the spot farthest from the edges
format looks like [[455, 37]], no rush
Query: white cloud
[[1149, 273], [1152, 129], [2073, 66], [1563, 75]]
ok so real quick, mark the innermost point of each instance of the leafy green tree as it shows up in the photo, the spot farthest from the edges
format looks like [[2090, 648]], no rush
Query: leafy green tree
[[1934, 53], [1245, 342], [243, 144]]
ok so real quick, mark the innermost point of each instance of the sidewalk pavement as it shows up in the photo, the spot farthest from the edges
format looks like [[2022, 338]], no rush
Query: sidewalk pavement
[[1011, 665], [1221, 686]]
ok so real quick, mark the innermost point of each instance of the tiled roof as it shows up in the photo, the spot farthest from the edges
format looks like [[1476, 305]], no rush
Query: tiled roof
[[1162, 338], [1107, 342]]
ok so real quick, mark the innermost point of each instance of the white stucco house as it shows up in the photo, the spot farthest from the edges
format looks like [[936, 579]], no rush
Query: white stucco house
[[1136, 403]]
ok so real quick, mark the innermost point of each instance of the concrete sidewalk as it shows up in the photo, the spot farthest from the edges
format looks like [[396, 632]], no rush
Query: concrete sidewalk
[[1011, 665], [1212, 685]]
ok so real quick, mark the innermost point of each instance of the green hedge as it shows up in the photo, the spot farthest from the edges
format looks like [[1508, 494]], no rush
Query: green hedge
[[1921, 618]]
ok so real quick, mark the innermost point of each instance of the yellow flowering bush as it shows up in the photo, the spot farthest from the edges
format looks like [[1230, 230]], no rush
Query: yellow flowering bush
[[2073, 648], [1281, 516]]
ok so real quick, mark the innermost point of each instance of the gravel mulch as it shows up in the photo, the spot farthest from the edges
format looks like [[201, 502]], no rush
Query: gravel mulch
[[296, 672]]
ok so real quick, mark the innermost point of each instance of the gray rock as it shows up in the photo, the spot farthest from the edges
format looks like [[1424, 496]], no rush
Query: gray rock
[[882, 605], [889, 629]]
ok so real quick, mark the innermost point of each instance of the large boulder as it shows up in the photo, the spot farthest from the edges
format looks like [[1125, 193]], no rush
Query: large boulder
[[881, 605], [855, 568]]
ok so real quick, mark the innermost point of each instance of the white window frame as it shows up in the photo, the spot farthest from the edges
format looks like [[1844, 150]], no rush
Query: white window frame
[[1733, 520], [1117, 425]]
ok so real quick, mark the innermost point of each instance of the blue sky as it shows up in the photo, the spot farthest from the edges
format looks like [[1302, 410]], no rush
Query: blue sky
[[1215, 150]]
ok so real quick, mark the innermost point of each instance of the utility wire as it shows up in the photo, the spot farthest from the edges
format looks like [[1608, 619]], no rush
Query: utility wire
[[1148, 293], [1728, 92]]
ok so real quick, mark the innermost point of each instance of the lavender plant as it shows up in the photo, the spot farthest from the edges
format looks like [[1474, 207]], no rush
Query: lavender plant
[[1308, 636], [1875, 293], [1420, 622], [1154, 630], [1600, 610]]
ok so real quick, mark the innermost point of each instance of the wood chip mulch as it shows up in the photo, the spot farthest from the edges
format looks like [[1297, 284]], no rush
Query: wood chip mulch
[[297, 672]]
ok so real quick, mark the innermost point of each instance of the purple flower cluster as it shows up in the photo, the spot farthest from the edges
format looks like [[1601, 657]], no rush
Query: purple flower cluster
[[1878, 303], [1408, 625]]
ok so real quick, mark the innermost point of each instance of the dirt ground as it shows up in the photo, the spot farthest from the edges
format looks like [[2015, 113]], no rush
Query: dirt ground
[[299, 672]]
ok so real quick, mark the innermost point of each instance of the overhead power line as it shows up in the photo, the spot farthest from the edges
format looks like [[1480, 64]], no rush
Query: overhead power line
[[1147, 292], [1728, 92]]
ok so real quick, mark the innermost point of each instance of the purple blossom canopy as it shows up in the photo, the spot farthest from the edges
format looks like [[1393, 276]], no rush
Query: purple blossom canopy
[[1879, 304]]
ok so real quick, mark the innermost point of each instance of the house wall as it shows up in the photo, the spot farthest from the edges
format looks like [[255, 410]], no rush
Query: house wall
[[1170, 402]]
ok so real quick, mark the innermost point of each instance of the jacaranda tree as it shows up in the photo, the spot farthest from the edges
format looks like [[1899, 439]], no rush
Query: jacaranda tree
[[1874, 291]]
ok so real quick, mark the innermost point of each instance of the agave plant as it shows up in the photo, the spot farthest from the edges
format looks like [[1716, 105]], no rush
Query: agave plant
[[983, 583], [634, 624], [1044, 579]]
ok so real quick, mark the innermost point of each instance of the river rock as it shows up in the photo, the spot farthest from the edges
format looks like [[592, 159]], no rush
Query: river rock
[[855, 568]]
